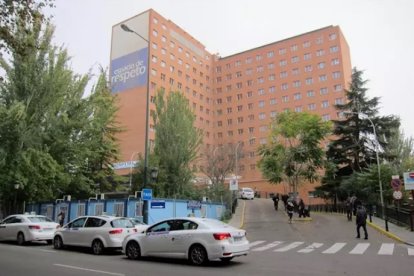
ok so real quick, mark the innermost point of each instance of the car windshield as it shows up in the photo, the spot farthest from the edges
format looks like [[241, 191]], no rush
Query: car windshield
[[39, 219], [122, 223], [247, 190]]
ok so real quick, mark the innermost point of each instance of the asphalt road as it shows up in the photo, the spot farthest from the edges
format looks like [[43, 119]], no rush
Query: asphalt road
[[325, 246]]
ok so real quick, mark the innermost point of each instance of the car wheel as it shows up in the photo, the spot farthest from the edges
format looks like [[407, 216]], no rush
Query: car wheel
[[20, 239], [197, 255], [226, 260], [97, 247], [132, 250], [57, 242]]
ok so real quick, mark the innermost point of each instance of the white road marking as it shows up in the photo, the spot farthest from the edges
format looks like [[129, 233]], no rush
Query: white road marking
[[268, 246], [334, 248], [48, 251], [311, 247], [87, 269], [359, 248], [410, 251], [252, 244], [386, 249], [288, 247]]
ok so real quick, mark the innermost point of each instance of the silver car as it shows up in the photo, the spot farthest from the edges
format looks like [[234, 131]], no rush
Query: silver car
[[96, 232], [26, 228]]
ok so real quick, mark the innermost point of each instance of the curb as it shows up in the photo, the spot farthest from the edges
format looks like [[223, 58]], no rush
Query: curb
[[388, 234]]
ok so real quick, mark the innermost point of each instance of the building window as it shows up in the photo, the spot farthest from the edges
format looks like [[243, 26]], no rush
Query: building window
[[307, 56], [249, 82], [261, 104], [336, 75], [310, 93], [251, 129], [273, 101], [311, 106], [283, 74], [251, 117], [334, 49], [262, 116], [260, 80], [272, 89], [249, 60], [306, 44], [282, 51], [270, 54], [239, 108], [154, 45], [298, 109], [273, 113], [250, 106], [338, 101], [319, 40], [295, 71], [260, 92], [230, 133], [163, 39], [323, 91], [272, 77], [249, 71], [309, 81], [325, 104], [249, 94], [332, 36], [263, 128], [338, 87], [323, 78], [283, 62], [237, 63], [297, 96], [239, 97], [229, 122], [285, 99], [240, 131], [296, 83], [320, 53], [335, 61], [259, 69], [284, 86], [154, 33], [321, 65], [326, 117], [295, 59], [271, 66], [308, 68], [240, 120], [294, 48], [258, 57], [229, 110]]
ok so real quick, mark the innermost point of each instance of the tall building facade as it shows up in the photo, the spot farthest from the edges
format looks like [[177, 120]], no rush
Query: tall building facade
[[235, 97]]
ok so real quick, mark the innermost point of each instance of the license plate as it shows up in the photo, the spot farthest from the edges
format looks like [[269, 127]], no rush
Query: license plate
[[237, 239], [47, 229]]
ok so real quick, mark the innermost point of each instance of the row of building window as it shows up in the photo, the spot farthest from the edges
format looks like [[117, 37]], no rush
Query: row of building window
[[282, 62]]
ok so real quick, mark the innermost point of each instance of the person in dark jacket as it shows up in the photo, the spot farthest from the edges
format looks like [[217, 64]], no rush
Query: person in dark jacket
[[289, 209], [361, 220], [301, 208]]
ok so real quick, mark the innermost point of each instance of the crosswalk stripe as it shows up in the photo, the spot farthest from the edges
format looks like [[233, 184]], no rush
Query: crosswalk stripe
[[288, 247], [359, 248], [334, 248], [386, 249], [410, 251], [267, 246], [311, 247], [252, 244]]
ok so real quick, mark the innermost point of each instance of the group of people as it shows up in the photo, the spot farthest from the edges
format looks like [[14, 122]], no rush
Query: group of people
[[291, 206], [355, 207]]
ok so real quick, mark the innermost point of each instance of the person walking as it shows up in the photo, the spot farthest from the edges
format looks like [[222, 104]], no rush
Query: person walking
[[361, 220], [348, 207], [289, 209], [276, 201], [61, 218], [301, 208]]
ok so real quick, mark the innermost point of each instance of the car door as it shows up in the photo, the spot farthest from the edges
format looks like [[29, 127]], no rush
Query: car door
[[71, 233], [91, 229], [181, 235], [157, 239], [5, 227]]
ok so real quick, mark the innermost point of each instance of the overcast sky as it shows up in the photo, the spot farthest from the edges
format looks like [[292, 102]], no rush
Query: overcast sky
[[380, 34]]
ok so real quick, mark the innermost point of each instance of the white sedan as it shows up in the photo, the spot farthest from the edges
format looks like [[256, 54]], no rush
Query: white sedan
[[196, 239], [96, 232], [27, 228]]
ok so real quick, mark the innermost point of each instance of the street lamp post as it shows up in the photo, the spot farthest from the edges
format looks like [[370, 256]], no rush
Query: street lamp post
[[379, 168], [145, 180]]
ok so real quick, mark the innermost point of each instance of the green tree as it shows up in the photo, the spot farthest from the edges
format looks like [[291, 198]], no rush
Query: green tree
[[53, 139], [294, 151], [176, 146], [353, 148], [20, 15]]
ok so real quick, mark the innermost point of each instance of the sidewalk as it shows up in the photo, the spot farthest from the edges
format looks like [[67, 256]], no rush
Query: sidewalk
[[398, 233]]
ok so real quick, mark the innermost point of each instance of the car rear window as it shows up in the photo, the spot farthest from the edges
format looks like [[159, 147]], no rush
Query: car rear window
[[247, 190], [39, 219], [122, 223]]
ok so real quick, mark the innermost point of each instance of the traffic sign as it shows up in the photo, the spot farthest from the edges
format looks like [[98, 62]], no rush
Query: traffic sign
[[234, 185], [146, 194], [409, 181], [395, 184], [397, 195]]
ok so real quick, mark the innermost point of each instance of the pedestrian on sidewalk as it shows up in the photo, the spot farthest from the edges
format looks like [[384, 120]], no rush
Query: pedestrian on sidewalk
[[348, 206], [289, 209], [276, 201], [301, 208], [361, 220]]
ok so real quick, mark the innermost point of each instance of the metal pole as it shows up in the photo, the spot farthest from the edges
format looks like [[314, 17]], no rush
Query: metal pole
[[379, 175], [145, 180]]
